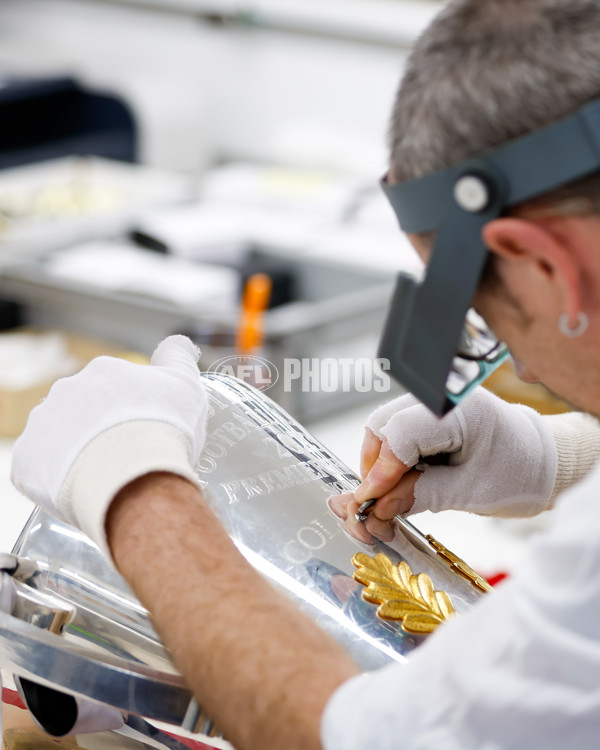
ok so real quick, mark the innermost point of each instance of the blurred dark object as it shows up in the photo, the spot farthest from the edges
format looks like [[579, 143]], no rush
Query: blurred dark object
[[54, 117], [141, 239], [11, 315], [283, 289]]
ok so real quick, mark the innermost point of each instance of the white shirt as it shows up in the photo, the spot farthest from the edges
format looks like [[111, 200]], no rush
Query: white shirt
[[521, 671]]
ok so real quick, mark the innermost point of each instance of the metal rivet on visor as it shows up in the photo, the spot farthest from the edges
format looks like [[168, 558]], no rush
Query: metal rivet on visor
[[471, 193]]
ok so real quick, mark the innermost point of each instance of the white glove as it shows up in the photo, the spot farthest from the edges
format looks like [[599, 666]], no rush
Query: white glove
[[108, 425], [502, 458]]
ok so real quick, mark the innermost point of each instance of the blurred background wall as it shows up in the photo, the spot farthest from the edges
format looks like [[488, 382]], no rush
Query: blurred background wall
[[308, 82]]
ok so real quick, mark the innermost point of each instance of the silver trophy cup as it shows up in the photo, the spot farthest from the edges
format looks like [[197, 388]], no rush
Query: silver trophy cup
[[78, 629]]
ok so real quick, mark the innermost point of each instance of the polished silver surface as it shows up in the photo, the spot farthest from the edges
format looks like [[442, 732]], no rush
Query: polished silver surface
[[54, 661], [269, 481], [43, 610], [108, 650]]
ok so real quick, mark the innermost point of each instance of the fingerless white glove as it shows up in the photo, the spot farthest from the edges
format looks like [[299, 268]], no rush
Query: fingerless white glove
[[502, 458], [108, 425]]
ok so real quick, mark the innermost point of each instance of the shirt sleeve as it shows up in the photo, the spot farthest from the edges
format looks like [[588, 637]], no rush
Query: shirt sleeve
[[577, 440], [522, 669]]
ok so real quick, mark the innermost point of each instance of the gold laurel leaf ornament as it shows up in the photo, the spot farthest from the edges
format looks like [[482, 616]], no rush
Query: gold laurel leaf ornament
[[401, 595]]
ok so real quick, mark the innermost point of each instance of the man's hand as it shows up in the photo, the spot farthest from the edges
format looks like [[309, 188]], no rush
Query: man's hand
[[500, 459], [108, 425], [384, 477]]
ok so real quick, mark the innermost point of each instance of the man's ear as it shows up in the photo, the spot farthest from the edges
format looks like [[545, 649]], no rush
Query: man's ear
[[521, 241]]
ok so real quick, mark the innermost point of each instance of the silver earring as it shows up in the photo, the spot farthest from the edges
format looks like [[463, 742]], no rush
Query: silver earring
[[578, 330]]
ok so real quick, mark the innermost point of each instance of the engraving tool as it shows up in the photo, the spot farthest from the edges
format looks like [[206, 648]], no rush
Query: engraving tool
[[362, 512]]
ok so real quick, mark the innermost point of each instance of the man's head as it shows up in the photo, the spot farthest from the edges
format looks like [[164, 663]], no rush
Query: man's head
[[484, 73], [488, 71]]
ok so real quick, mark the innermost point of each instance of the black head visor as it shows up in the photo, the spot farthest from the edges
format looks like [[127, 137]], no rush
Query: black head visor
[[435, 350]]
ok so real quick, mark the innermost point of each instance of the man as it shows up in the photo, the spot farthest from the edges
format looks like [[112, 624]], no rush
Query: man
[[112, 450]]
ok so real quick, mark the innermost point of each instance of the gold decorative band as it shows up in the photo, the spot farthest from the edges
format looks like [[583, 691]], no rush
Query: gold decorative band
[[459, 566]]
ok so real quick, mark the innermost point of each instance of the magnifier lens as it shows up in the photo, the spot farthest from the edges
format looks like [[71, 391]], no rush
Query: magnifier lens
[[476, 340], [479, 353], [463, 374]]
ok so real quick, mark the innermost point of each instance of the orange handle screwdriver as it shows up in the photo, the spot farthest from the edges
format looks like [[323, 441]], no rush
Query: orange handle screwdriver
[[255, 300]]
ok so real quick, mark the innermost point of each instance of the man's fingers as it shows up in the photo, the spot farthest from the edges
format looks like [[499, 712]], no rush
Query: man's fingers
[[369, 452], [384, 475], [383, 530], [355, 528], [345, 506], [177, 352], [339, 504], [398, 500]]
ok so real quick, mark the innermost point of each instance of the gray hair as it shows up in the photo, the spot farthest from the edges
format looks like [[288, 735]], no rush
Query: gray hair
[[487, 71]]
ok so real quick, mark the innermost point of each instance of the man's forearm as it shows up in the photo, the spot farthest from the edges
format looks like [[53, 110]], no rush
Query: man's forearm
[[260, 667]]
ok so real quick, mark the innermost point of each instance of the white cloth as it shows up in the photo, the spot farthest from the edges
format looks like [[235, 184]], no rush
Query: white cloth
[[109, 424], [522, 670], [502, 457]]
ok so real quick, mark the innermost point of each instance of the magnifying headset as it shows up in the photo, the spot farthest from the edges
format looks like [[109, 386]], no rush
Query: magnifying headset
[[438, 347]]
